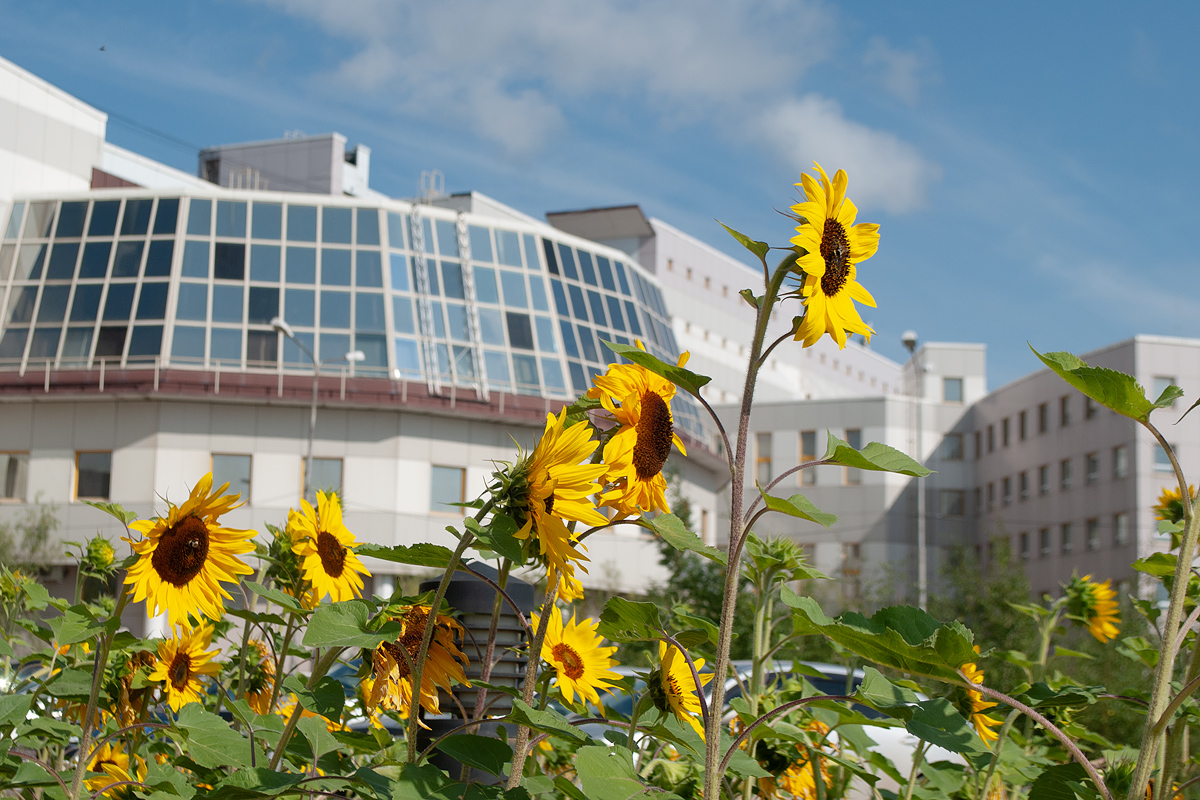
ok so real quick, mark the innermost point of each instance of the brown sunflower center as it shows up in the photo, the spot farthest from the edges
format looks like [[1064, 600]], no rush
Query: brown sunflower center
[[180, 669], [835, 249], [333, 554], [550, 504], [410, 642], [654, 431], [569, 658], [100, 763], [181, 551]]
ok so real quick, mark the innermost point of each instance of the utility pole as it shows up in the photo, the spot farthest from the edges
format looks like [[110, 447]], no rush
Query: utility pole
[[909, 338]]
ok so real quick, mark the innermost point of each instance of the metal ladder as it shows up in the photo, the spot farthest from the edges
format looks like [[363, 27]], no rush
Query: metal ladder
[[424, 308], [468, 275]]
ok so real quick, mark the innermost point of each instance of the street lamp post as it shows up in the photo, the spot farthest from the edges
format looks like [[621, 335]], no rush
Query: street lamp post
[[909, 338], [281, 326]]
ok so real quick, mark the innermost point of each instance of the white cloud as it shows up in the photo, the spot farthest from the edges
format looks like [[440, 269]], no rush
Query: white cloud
[[899, 71], [885, 172]]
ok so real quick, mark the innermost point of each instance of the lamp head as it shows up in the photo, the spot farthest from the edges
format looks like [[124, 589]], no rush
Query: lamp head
[[909, 339], [280, 325], [355, 356]]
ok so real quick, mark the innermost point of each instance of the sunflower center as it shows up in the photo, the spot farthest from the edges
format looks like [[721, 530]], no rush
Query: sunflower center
[[569, 658], [180, 669], [181, 551], [654, 432], [333, 554], [409, 642], [550, 504], [835, 249], [100, 763]]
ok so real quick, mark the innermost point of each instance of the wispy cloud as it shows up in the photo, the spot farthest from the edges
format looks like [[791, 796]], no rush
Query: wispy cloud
[[901, 72]]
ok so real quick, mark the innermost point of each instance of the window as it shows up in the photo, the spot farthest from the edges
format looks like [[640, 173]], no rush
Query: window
[[1044, 542], [991, 496], [978, 493], [1023, 485], [1120, 529], [1064, 474], [326, 477], [1162, 461], [952, 390], [952, 502], [1043, 418], [14, 469], [447, 485], [853, 477], [808, 452], [1092, 467], [1024, 546], [1120, 461], [762, 458], [1092, 537], [93, 474], [991, 434], [1067, 540], [1161, 384], [1006, 491], [1004, 432], [952, 447], [234, 470], [978, 445], [1089, 408], [1064, 411], [1022, 425], [1044, 479]]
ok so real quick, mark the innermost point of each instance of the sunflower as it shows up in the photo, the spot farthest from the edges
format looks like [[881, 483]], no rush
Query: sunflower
[[637, 452], [979, 707], [1170, 504], [324, 544], [260, 677], [550, 487], [182, 662], [184, 557], [1095, 605], [790, 777], [392, 676], [574, 649], [676, 692], [113, 763], [834, 247]]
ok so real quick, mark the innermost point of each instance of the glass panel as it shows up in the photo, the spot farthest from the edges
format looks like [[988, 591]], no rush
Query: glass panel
[[577, 305], [226, 345], [587, 343], [15, 468], [158, 258], [21, 305], [396, 225], [374, 347], [614, 310], [262, 347], [128, 262], [368, 313], [268, 221], [111, 342], [229, 261], [585, 265], [531, 256], [568, 339], [62, 261], [234, 470], [227, 303], [87, 302], [119, 302], [301, 265], [193, 302], [520, 333], [597, 308], [491, 326], [8, 252], [302, 223], [634, 327], [621, 277], [264, 261], [551, 259], [263, 306], [368, 226], [452, 281], [12, 346], [526, 373], [464, 364], [167, 216], [335, 310], [568, 262], [485, 285], [70, 220], [606, 276], [231, 219], [447, 236], [299, 307], [104, 217], [335, 267], [137, 217], [508, 248], [95, 260], [399, 264], [77, 346], [447, 486], [44, 344], [481, 244], [30, 259], [537, 293], [552, 370], [152, 302], [292, 354], [145, 341], [431, 271], [335, 225], [545, 332], [578, 378], [195, 259], [496, 364], [560, 297], [439, 322], [402, 315], [38, 220], [408, 358], [95, 473], [427, 231], [368, 269], [199, 218], [513, 284], [334, 347], [457, 320], [14, 221]]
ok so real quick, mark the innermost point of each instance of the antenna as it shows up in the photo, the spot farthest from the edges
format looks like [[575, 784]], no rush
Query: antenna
[[432, 185]]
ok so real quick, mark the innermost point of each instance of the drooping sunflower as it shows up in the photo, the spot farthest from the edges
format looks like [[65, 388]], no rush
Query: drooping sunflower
[[1094, 604], [324, 544], [984, 725], [183, 662], [835, 247], [640, 402], [184, 557], [259, 678], [112, 762], [391, 671], [676, 692], [1170, 504], [574, 649], [552, 487]]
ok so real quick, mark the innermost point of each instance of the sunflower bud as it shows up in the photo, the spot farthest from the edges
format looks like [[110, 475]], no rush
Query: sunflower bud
[[99, 556]]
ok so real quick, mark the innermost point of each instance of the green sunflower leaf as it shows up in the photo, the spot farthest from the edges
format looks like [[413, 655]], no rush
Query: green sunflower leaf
[[547, 721], [253, 782], [608, 773], [423, 554], [937, 722], [798, 506], [326, 698], [76, 624], [627, 621], [685, 379], [424, 781], [277, 597], [344, 624], [1111, 389], [497, 536], [675, 533], [875, 456], [759, 249], [317, 733], [115, 510], [13, 709], [485, 752], [1060, 782], [1158, 564], [210, 741]]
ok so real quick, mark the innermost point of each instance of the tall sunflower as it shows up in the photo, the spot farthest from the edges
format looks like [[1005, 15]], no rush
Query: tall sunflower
[[391, 675], [324, 544], [574, 649], [183, 663], [184, 557], [552, 487], [979, 707], [676, 690], [834, 247], [638, 451], [112, 762], [1094, 604]]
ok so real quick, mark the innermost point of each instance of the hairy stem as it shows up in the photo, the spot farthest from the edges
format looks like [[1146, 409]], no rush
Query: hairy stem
[[319, 669], [521, 750]]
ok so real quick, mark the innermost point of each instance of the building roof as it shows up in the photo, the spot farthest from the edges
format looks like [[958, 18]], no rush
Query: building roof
[[603, 224]]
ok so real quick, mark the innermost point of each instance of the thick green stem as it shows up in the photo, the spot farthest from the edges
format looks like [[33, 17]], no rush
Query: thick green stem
[[319, 669], [918, 754], [995, 762], [521, 750]]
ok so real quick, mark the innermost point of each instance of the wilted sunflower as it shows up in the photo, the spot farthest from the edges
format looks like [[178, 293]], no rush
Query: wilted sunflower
[[550, 487], [979, 707], [575, 651], [259, 678], [324, 544], [112, 762], [1170, 504], [184, 557], [392, 676], [676, 690], [1094, 604], [638, 451], [183, 661], [835, 246]]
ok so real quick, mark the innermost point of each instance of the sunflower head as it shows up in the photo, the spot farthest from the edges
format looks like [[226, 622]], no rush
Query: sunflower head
[[972, 705], [575, 651], [392, 663], [325, 547], [1094, 605], [674, 690], [184, 662], [258, 676], [112, 764], [1170, 504]]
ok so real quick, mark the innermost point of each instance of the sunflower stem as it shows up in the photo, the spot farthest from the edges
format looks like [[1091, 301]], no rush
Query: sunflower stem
[[995, 762], [489, 653], [319, 669], [918, 754], [521, 750]]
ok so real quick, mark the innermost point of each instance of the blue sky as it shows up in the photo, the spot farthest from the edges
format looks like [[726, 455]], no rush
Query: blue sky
[[1034, 167]]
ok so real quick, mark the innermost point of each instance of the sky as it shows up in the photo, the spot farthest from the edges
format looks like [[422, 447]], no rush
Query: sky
[[1033, 166]]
